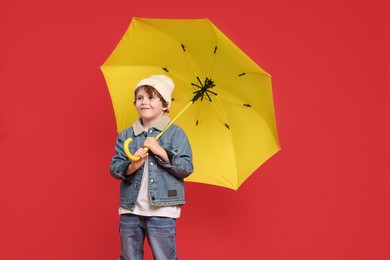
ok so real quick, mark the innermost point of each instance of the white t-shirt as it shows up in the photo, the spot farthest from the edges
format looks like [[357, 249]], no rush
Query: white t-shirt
[[142, 205]]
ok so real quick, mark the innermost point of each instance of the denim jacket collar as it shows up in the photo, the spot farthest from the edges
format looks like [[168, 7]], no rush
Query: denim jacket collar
[[160, 125]]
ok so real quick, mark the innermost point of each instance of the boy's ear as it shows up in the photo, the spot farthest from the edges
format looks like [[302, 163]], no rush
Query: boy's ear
[[165, 108]]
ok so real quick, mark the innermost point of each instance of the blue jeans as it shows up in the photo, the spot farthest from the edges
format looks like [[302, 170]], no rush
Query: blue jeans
[[159, 231]]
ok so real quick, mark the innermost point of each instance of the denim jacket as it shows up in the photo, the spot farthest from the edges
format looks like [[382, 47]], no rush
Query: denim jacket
[[166, 187]]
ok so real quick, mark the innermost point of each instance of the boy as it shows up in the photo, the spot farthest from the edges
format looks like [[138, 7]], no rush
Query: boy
[[152, 188]]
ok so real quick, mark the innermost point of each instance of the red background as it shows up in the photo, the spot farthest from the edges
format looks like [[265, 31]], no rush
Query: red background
[[325, 195]]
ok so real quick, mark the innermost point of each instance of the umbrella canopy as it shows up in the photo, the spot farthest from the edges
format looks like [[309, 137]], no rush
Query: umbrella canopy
[[230, 122]]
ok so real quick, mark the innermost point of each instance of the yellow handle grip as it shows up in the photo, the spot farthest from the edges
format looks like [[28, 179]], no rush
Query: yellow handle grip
[[129, 140], [127, 152]]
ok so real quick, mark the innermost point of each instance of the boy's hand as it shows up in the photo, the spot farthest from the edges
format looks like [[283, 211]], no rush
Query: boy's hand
[[134, 165], [156, 148], [153, 145]]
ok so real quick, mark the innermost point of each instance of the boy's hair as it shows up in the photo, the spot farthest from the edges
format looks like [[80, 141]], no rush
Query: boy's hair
[[151, 91]]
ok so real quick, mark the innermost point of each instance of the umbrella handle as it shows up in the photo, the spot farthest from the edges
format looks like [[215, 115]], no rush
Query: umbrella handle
[[129, 140], [127, 152]]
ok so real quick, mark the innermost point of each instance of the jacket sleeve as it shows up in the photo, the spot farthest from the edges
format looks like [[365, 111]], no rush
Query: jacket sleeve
[[120, 162], [180, 156]]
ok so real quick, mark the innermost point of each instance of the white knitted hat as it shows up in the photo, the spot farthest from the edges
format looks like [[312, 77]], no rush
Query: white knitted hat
[[163, 84]]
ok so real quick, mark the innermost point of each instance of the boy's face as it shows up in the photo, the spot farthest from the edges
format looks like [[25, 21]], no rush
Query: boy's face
[[148, 106]]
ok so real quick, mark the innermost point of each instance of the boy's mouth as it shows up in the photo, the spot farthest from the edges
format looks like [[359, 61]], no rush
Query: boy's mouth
[[145, 108]]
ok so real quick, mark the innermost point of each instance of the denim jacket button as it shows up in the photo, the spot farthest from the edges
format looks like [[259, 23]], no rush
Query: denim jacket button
[[151, 180]]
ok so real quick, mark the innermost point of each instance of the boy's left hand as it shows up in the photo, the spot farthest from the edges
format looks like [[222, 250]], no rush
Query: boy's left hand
[[156, 148], [153, 145]]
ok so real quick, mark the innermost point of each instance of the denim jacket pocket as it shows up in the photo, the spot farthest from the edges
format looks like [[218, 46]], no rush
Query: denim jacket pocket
[[170, 190]]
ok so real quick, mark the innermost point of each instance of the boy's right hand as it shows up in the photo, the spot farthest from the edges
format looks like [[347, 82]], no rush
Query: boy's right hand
[[135, 165]]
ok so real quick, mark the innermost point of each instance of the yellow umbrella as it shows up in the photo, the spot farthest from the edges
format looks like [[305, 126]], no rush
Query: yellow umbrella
[[224, 97]]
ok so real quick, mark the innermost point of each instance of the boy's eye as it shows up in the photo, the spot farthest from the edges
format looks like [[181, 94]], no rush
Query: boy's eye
[[140, 98]]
